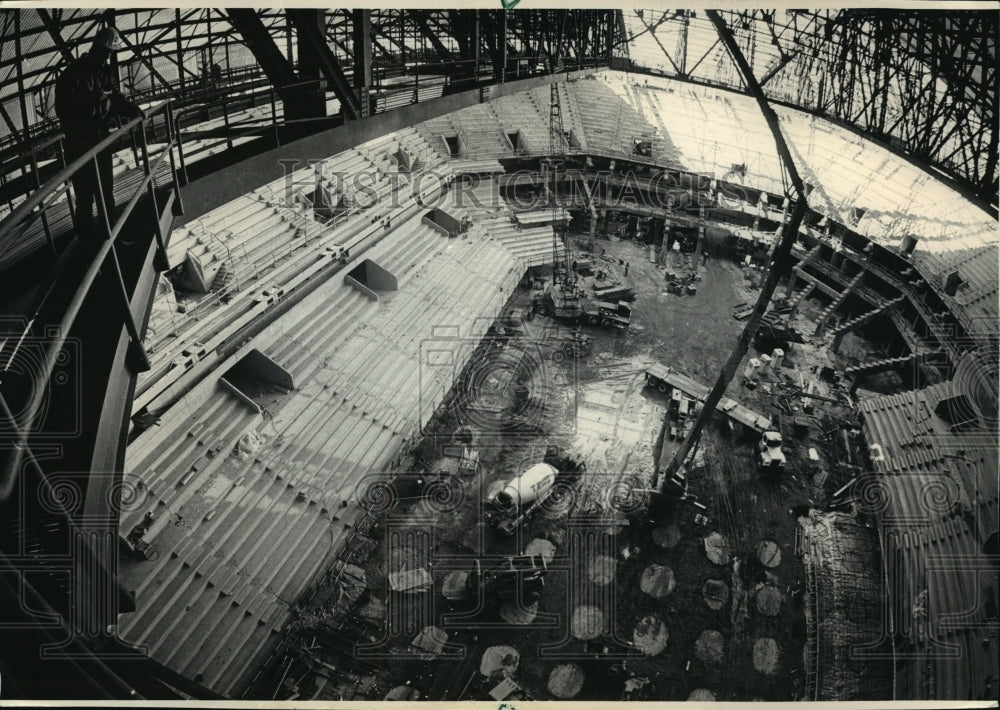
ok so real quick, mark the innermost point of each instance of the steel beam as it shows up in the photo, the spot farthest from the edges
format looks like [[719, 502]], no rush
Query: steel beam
[[312, 34], [780, 260], [300, 101], [419, 18], [148, 65], [362, 34], [53, 30]]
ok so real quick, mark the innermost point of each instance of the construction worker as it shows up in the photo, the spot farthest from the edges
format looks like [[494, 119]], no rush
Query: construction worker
[[87, 99]]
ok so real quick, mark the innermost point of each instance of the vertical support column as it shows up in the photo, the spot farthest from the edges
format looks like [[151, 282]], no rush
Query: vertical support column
[[792, 280], [180, 51], [664, 241], [502, 49], [309, 62], [363, 57], [612, 21], [475, 48]]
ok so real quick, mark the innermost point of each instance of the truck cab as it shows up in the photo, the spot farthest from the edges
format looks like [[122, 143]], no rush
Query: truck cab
[[607, 314], [770, 457], [511, 502]]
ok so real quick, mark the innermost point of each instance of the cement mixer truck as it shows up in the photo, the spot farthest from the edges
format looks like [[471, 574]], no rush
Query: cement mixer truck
[[508, 504]]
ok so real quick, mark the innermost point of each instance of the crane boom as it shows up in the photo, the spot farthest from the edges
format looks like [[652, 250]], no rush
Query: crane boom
[[557, 155]]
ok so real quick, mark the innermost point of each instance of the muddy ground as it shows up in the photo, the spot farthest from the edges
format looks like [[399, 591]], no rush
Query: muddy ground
[[597, 410]]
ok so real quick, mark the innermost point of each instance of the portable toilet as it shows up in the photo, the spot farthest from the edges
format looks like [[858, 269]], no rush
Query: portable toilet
[[765, 364], [750, 372], [776, 357]]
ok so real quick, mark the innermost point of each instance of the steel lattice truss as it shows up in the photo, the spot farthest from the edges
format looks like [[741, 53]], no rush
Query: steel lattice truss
[[924, 81]]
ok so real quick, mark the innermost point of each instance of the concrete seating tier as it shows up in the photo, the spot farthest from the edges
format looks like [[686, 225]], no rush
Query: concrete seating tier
[[526, 116], [533, 245], [482, 132], [432, 130], [427, 153], [236, 543], [402, 258], [199, 327], [571, 114], [712, 129], [609, 123], [377, 367], [975, 304], [265, 245]]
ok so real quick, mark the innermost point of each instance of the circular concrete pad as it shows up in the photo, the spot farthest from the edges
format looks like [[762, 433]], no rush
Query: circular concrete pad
[[540, 546], [650, 635], [566, 681], [765, 656], [705, 696], [587, 623], [431, 639], [514, 614], [717, 549], [657, 581], [499, 660], [667, 536], [709, 647], [715, 593], [601, 570], [769, 553], [769, 600], [455, 585]]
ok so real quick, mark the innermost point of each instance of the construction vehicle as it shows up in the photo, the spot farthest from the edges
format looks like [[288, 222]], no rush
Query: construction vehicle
[[681, 284], [458, 461], [606, 313], [770, 457], [512, 577], [575, 308], [502, 580], [615, 292], [576, 347], [510, 503]]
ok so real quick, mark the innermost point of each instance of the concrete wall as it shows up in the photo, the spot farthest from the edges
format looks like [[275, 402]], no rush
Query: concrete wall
[[373, 276], [444, 220], [256, 365], [227, 184]]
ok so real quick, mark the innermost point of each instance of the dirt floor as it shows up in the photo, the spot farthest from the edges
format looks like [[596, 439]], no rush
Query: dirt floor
[[597, 410]]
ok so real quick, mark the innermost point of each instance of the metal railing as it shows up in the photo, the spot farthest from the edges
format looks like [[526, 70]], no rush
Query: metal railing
[[21, 427]]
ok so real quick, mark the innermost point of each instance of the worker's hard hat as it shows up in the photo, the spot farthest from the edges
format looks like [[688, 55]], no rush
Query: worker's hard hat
[[108, 38]]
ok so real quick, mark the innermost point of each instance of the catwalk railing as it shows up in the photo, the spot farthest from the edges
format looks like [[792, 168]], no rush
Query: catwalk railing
[[103, 263]]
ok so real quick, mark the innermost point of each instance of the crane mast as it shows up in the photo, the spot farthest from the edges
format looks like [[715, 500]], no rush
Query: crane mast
[[557, 157]]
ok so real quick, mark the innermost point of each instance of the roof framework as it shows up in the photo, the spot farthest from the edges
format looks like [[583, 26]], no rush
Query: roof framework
[[923, 81]]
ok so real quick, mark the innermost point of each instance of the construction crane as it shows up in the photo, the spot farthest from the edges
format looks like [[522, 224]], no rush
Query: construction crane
[[557, 156]]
